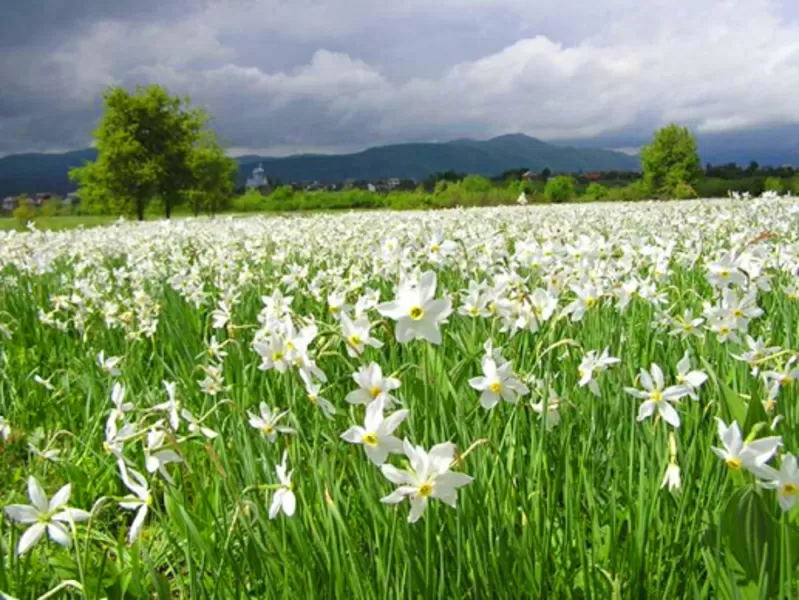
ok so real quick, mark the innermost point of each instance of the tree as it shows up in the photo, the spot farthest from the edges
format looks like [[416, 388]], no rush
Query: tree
[[145, 143], [213, 177], [596, 191], [670, 159], [560, 189], [773, 184], [24, 211]]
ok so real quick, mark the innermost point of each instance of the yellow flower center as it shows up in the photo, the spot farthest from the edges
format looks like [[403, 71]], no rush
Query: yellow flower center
[[416, 312], [725, 274], [496, 387], [312, 398], [738, 313], [473, 311], [290, 345], [656, 396], [786, 380], [355, 340], [268, 429], [688, 328], [277, 356], [435, 248], [334, 309], [733, 463], [370, 439], [375, 392], [590, 302], [425, 490], [724, 330], [581, 373], [789, 489]]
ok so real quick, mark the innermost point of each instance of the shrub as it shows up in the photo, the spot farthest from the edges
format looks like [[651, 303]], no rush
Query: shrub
[[596, 191], [773, 184], [560, 189], [24, 212], [684, 191], [252, 201]]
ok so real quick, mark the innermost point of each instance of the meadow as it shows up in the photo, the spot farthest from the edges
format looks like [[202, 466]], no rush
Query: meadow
[[556, 401]]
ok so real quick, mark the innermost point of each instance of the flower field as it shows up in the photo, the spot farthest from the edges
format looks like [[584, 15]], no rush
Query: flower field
[[575, 401]]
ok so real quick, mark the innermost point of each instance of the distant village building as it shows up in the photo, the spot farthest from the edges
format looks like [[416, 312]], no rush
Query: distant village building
[[393, 183], [40, 198], [371, 187], [71, 199], [9, 203], [528, 175], [258, 181]]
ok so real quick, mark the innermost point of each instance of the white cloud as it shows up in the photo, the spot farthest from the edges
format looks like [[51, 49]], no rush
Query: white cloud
[[559, 69]]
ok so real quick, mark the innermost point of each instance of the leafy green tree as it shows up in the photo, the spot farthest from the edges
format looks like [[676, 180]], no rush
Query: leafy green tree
[[560, 189], [145, 144], [670, 159], [24, 211], [213, 177], [773, 184], [596, 191], [476, 184]]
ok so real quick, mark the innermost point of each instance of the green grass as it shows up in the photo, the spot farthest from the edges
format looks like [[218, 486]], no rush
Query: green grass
[[572, 512], [59, 223]]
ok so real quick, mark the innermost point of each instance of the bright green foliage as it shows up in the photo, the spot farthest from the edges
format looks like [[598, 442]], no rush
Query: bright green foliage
[[670, 159], [24, 211], [773, 184], [560, 189], [475, 184], [684, 191], [596, 191], [145, 141], [213, 176]]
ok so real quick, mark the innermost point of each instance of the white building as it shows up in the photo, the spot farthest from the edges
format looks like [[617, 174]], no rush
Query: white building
[[258, 179]]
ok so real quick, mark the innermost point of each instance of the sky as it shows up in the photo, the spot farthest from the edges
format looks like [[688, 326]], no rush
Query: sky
[[291, 76]]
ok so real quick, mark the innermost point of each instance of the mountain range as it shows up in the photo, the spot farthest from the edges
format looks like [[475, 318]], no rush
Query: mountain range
[[30, 173]]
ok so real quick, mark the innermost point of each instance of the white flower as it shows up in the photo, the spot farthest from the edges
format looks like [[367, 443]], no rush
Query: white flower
[[550, 413], [372, 385], [672, 477], [140, 501], [690, 380], [5, 429], [267, 422], [157, 455], [752, 456], [357, 335], [785, 481], [497, 382], [110, 365], [196, 426], [429, 477], [416, 311], [284, 498], [376, 433], [45, 383], [657, 397], [591, 366], [118, 400], [43, 516], [171, 406], [313, 391]]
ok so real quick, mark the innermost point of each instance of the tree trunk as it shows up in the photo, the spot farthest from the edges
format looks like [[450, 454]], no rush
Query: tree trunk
[[140, 209]]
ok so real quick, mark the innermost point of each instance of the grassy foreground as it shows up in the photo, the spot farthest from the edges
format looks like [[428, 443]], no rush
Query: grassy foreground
[[568, 497]]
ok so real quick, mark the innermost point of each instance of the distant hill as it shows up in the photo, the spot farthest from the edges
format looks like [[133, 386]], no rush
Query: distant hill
[[30, 173], [417, 161]]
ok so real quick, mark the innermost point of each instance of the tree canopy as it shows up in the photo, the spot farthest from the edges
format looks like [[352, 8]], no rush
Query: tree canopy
[[152, 146], [670, 159]]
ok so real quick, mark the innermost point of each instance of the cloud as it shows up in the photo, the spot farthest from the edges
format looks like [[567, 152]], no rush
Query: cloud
[[281, 76]]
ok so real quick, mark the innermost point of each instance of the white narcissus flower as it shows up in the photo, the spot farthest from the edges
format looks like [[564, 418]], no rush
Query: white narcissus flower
[[157, 455], [41, 515], [284, 499], [171, 406], [497, 382], [267, 422], [196, 426], [45, 383], [416, 310], [429, 476], [785, 481], [357, 335], [690, 380], [5, 429], [372, 385], [140, 501], [591, 366], [657, 397], [672, 477], [752, 455], [110, 365], [550, 413], [376, 433], [313, 391]]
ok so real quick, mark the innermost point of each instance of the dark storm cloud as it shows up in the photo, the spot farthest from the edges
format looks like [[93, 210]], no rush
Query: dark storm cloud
[[285, 76]]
